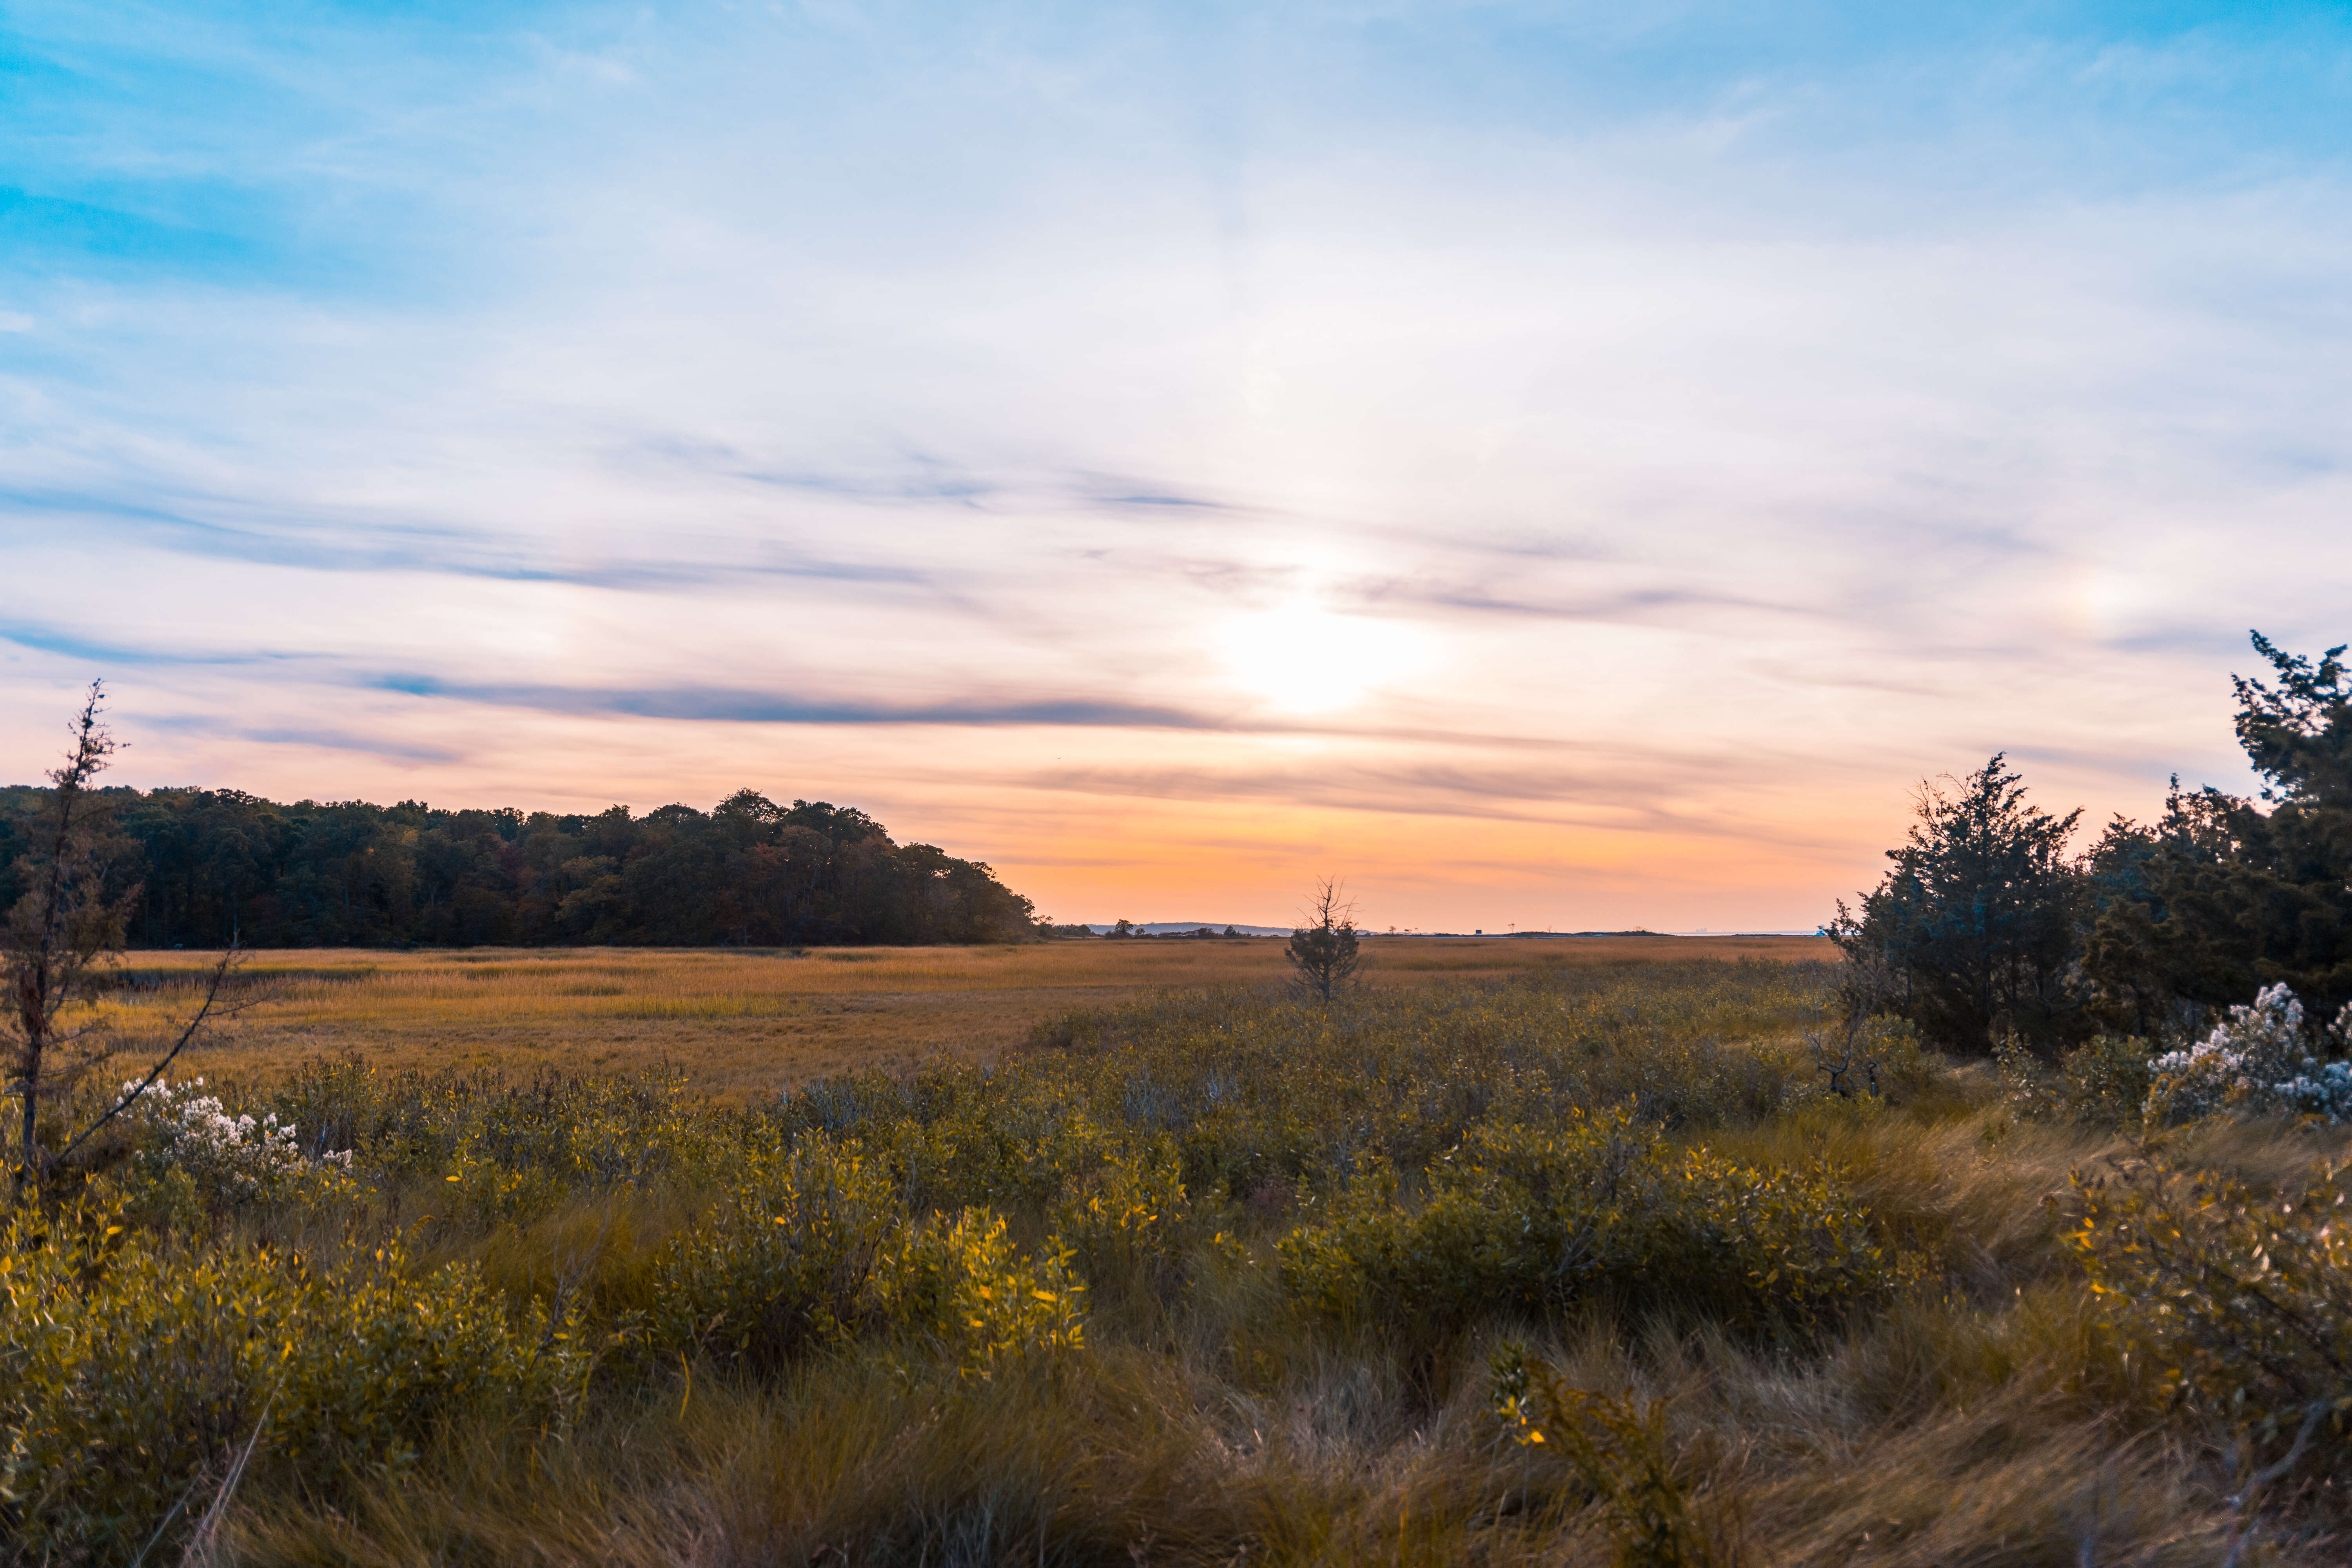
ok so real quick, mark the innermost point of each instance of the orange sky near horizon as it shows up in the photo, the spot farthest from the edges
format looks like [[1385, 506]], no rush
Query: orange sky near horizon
[[1162, 824]]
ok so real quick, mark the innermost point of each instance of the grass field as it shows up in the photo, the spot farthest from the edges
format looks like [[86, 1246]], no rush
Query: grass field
[[741, 1022], [1535, 1253]]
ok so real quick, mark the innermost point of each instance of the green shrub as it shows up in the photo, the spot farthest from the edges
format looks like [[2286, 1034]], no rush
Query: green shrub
[[1016, 1147], [810, 1246], [813, 1246], [124, 1374], [1253, 1091], [1522, 1218], [131, 1366], [1127, 1221], [782, 1260], [1510, 1219], [2240, 1305], [2104, 1082], [1760, 1249], [380, 1358], [514, 1150]]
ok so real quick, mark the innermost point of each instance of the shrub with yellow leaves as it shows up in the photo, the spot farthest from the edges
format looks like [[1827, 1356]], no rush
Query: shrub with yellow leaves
[[961, 1287], [782, 1260], [1126, 1222], [2239, 1304], [131, 1365]]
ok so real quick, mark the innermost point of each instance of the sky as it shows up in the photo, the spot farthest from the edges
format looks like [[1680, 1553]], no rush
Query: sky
[[1555, 466]]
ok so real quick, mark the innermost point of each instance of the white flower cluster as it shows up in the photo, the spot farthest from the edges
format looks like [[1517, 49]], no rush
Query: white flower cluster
[[236, 1156], [2260, 1059]]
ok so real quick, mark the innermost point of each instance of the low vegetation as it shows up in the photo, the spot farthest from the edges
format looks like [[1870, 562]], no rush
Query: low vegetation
[[1590, 1265]]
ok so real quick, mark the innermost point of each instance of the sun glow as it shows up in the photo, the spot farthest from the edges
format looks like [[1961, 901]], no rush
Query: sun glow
[[1305, 659]]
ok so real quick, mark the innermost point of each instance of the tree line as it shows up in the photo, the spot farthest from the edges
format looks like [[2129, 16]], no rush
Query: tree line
[[1988, 929], [210, 865]]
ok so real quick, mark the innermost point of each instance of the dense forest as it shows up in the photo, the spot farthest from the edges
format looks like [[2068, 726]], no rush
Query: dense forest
[[1987, 929], [210, 863]]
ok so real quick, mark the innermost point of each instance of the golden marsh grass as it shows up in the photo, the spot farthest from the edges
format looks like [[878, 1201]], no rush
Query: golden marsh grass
[[739, 1022]]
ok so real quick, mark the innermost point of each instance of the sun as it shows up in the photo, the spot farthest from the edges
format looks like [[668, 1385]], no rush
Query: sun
[[1304, 658]]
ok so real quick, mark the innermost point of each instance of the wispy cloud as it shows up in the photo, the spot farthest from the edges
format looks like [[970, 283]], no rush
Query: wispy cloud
[[1599, 437], [115, 655], [363, 745], [728, 706]]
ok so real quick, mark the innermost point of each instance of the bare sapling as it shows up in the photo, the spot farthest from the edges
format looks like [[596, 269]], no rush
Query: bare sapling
[[66, 926], [1845, 1050], [1324, 950]]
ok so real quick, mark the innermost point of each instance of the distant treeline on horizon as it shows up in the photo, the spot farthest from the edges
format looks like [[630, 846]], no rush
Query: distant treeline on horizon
[[214, 863]]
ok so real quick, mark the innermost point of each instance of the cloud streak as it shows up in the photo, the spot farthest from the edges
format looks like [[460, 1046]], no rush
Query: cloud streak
[[728, 706]]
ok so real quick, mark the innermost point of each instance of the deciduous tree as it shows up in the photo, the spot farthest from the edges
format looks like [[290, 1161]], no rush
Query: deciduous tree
[[67, 921]]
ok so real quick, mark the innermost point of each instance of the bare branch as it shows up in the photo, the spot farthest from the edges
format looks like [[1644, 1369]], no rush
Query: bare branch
[[2243, 1505], [221, 971], [67, 922]]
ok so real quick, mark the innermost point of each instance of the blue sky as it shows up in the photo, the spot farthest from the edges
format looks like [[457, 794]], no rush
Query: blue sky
[[1575, 465]]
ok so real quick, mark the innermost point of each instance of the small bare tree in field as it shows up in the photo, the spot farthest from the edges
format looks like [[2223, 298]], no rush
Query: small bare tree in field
[[55, 945], [1324, 950], [1846, 1051]]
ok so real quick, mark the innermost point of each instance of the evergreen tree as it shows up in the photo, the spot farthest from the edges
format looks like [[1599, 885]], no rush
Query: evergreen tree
[[2221, 896], [1973, 930], [1324, 950]]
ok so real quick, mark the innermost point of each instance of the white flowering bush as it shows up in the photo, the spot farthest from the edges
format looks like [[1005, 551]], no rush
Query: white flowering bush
[[2263, 1059], [233, 1158]]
